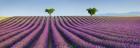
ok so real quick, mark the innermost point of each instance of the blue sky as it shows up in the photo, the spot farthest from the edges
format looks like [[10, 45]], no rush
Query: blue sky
[[68, 7]]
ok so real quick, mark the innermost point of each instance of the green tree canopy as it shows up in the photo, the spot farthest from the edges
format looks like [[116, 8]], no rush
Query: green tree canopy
[[92, 11], [50, 11]]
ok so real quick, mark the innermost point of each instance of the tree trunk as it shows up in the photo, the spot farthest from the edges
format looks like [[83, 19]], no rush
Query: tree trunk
[[50, 15], [90, 14]]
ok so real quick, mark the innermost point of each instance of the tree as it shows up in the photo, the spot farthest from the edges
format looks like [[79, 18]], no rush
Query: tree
[[92, 11], [50, 11]]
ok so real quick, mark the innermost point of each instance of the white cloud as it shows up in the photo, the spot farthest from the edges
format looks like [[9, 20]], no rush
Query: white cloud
[[121, 14]]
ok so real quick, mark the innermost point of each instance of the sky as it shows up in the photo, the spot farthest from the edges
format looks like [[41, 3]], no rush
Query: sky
[[69, 7]]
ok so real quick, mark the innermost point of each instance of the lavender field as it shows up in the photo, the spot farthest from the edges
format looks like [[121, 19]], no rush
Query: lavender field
[[70, 32]]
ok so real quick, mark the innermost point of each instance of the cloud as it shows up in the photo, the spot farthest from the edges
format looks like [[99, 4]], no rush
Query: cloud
[[121, 14]]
